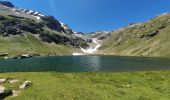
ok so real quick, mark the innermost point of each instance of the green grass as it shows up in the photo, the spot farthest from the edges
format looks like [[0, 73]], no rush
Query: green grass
[[93, 86], [28, 43]]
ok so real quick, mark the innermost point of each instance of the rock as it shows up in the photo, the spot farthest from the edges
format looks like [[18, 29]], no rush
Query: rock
[[4, 54], [15, 93], [152, 34], [6, 58], [3, 80], [26, 84], [25, 56], [13, 81], [14, 57], [2, 90], [5, 94]]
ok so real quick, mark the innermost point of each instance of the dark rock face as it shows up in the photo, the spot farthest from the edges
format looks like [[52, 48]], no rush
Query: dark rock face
[[6, 3], [67, 29], [59, 39], [152, 34], [15, 26], [52, 23]]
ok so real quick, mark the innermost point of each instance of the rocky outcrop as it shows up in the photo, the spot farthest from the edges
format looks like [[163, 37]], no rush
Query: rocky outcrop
[[52, 23], [4, 92], [4, 54], [100, 35], [26, 84], [3, 80], [15, 26], [59, 39]]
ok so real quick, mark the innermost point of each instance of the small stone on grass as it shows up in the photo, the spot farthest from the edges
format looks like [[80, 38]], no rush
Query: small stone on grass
[[3, 80], [25, 84]]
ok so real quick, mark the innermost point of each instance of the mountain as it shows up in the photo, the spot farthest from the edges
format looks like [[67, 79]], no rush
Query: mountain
[[100, 35], [24, 31], [151, 38], [7, 4], [27, 31]]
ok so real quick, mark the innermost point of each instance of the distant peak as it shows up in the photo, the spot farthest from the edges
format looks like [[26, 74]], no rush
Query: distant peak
[[7, 3]]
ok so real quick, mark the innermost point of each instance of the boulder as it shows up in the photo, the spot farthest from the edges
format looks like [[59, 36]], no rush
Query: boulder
[[25, 56], [2, 90], [4, 93], [4, 54], [11, 81], [3, 80], [6, 58], [26, 84]]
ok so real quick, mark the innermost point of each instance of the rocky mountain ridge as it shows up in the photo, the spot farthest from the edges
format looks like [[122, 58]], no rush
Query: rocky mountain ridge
[[35, 31], [150, 38]]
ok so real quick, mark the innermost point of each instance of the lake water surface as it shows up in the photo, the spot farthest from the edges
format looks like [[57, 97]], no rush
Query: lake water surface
[[84, 64]]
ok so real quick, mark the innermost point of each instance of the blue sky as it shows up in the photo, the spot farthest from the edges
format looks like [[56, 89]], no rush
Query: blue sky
[[94, 15]]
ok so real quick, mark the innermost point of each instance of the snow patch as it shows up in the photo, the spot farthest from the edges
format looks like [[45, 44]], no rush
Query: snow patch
[[77, 54], [38, 18], [90, 50]]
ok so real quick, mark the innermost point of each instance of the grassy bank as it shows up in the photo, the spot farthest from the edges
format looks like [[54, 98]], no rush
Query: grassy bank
[[28, 43], [94, 86]]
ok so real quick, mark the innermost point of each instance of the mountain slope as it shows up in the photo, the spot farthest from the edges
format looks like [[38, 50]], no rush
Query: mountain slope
[[27, 31], [151, 38]]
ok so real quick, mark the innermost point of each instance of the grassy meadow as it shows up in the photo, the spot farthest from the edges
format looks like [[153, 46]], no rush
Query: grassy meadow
[[93, 86]]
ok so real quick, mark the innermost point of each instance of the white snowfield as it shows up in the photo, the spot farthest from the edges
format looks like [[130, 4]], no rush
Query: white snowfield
[[77, 54], [90, 50]]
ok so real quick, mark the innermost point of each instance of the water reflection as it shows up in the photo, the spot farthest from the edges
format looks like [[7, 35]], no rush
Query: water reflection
[[94, 63], [83, 64]]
